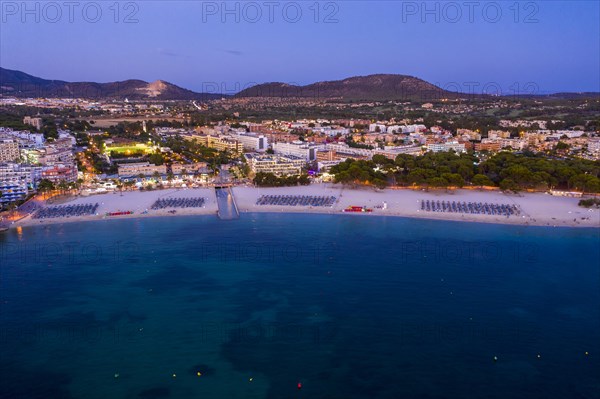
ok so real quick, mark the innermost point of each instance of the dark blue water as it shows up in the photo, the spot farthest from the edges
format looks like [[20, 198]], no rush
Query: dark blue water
[[351, 307]]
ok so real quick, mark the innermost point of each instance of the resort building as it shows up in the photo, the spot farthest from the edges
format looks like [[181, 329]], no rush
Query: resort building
[[346, 149], [326, 156], [25, 176], [442, 147], [140, 168], [58, 173], [392, 152], [12, 192], [331, 155], [297, 149], [219, 143], [252, 141], [276, 164], [324, 166], [193, 168]]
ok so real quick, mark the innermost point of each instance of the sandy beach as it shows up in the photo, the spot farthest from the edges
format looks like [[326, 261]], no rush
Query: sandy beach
[[139, 202], [537, 209]]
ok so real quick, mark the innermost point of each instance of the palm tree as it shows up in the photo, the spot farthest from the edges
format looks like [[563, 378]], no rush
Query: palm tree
[[45, 186], [129, 183], [119, 185]]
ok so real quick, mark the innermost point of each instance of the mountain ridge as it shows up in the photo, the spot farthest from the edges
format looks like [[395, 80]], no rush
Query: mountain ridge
[[20, 84], [375, 87]]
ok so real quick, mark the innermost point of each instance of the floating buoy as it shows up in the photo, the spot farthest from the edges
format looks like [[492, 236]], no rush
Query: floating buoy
[[116, 375], [299, 385], [174, 375], [539, 356], [587, 353], [250, 379], [199, 374], [495, 358]]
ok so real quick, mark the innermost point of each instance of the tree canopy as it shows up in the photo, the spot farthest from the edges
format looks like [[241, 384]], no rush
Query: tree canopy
[[506, 170]]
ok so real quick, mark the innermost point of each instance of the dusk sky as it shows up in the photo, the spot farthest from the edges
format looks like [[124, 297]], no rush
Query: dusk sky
[[545, 46]]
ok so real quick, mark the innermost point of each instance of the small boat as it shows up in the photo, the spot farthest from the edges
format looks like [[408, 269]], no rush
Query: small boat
[[358, 209], [119, 213]]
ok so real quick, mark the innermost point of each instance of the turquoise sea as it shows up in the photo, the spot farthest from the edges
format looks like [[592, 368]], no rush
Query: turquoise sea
[[346, 306]]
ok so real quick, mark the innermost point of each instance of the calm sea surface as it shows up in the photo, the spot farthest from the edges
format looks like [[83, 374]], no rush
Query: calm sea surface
[[349, 307]]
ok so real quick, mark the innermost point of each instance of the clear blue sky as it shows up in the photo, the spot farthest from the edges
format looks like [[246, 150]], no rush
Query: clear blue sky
[[550, 45]]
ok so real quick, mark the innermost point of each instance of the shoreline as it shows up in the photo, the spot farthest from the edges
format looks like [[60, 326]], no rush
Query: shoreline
[[537, 209]]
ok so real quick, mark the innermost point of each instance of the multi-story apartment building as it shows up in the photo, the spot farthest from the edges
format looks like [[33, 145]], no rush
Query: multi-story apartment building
[[498, 134], [330, 131], [32, 121], [516, 144], [594, 145], [377, 127], [26, 139], [488, 145], [326, 156], [9, 150], [56, 155]]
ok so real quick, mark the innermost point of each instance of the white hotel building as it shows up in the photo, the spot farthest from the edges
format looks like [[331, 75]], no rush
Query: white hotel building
[[300, 149], [252, 141], [16, 180], [277, 164], [594, 145], [451, 145], [346, 149]]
